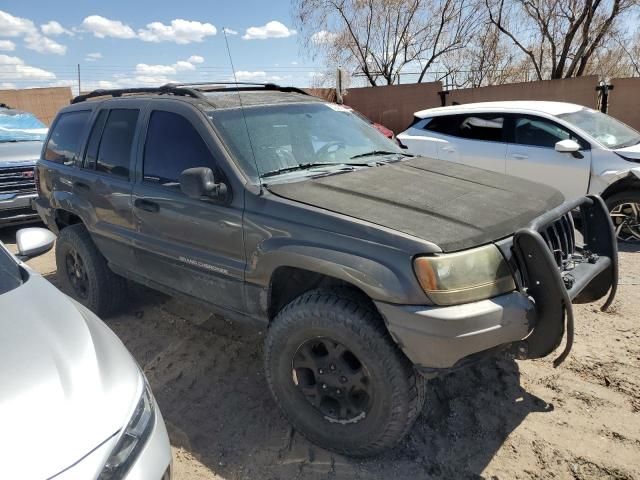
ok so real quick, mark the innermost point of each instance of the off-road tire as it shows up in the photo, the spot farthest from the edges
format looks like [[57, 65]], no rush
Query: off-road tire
[[106, 291], [627, 196], [346, 317]]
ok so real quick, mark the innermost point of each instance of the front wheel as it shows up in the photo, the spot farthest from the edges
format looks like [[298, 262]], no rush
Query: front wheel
[[624, 208], [338, 377]]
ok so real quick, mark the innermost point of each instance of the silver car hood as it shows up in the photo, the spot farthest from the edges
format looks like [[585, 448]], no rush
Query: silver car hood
[[632, 152], [12, 153], [67, 383]]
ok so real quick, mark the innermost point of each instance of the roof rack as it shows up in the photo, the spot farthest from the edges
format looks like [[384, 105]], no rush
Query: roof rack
[[194, 90], [238, 86], [169, 89]]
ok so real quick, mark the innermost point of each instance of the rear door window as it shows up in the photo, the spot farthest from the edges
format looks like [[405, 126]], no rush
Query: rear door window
[[67, 132], [114, 151], [172, 146], [482, 126]]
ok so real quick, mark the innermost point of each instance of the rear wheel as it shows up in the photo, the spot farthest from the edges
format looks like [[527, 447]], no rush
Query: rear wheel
[[338, 377], [624, 208], [83, 272]]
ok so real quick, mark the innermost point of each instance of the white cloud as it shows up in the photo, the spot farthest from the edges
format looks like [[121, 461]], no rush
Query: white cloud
[[323, 36], [244, 75], [11, 26], [8, 85], [7, 45], [195, 59], [230, 31], [54, 28], [164, 70], [272, 29], [14, 68], [294, 63], [92, 57], [179, 31], [43, 44], [102, 27]]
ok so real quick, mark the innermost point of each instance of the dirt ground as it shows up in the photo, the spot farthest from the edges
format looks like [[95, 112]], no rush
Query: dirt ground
[[503, 419]]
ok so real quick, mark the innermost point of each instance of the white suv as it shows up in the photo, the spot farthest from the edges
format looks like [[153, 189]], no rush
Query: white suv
[[572, 148]]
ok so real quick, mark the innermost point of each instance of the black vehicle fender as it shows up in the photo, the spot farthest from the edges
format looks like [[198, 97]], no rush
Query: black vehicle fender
[[384, 282], [69, 202]]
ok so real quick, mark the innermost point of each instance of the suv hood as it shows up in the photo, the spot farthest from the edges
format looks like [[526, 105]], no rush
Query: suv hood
[[449, 204], [67, 382], [12, 153]]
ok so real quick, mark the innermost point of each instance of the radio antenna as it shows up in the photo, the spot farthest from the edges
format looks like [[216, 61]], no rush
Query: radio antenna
[[244, 117]]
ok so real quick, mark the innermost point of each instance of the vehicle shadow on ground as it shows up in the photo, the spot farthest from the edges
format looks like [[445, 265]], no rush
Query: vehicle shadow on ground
[[206, 374]]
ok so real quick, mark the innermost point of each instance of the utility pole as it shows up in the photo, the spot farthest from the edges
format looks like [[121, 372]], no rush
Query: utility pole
[[79, 87], [339, 85]]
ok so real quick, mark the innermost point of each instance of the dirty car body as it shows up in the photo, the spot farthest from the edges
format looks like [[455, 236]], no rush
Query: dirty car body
[[290, 203]]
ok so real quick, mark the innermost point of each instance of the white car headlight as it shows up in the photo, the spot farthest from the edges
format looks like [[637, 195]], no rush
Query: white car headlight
[[466, 276], [133, 438]]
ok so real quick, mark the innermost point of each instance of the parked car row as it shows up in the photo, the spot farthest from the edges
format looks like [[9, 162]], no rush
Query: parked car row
[[371, 269]]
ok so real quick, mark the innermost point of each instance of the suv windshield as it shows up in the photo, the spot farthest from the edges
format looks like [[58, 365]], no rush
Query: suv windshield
[[299, 136], [10, 277], [16, 126], [605, 129]]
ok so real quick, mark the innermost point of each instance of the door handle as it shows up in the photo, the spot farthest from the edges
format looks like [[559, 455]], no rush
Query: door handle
[[146, 205], [81, 186], [520, 156]]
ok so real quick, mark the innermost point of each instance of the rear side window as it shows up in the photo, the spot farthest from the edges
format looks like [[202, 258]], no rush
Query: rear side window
[[486, 127], [65, 137], [172, 146], [114, 151]]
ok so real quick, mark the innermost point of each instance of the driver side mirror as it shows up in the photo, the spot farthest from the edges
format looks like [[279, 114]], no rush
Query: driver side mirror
[[33, 242], [567, 146], [200, 183]]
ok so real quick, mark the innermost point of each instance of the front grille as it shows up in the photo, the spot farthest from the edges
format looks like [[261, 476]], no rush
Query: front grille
[[17, 180], [560, 237]]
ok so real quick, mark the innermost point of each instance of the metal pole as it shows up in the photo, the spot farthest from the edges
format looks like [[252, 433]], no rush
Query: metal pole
[[79, 89]]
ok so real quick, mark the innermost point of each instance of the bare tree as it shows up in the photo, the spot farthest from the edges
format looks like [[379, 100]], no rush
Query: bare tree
[[559, 38], [380, 38]]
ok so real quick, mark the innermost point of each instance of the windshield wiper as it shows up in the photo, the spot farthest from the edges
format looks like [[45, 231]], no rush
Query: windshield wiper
[[305, 166], [374, 153]]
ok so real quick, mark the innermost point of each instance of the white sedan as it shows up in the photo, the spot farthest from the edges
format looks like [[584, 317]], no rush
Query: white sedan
[[572, 148], [74, 405]]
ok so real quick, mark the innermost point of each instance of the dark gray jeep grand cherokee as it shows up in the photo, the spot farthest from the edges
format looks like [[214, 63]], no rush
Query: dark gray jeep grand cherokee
[[372, 270]]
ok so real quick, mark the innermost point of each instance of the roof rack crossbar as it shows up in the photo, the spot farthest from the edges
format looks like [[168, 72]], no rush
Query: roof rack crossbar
[[118, 92], [239, 86]]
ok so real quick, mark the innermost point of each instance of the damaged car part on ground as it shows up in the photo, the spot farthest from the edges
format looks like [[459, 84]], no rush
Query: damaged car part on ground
[[74, 403], [370, 268]]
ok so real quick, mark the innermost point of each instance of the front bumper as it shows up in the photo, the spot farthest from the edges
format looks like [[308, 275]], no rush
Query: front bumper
[[440, 338], [17, 209], [551, 272], [153, 462]]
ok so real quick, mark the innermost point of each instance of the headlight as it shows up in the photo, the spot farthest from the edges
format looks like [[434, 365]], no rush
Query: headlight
[[465, 276], [132, 440]]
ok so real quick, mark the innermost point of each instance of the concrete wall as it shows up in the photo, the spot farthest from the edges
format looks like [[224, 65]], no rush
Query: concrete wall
[[573, 90], [393, 105], [44, 103], [624, 101]]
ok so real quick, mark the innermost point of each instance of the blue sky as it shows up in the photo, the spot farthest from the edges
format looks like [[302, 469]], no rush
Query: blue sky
[[140, 42]]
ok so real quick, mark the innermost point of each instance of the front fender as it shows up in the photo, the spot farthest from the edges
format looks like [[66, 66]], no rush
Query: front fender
[[388, 277]]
